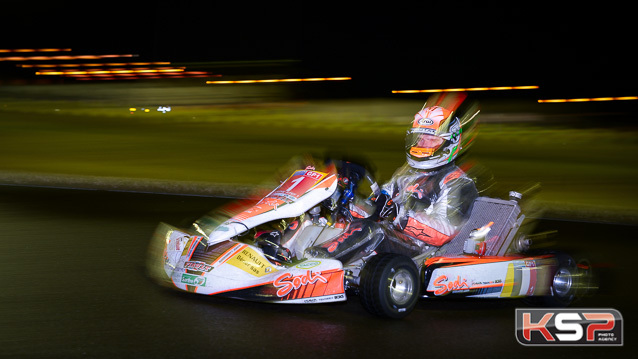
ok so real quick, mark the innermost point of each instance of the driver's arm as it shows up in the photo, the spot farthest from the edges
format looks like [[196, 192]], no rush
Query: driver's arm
[[437, 224]]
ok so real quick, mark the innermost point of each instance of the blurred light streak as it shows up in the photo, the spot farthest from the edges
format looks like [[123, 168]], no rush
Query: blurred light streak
[[62, 57], [100, 72], [184, 73], [143, 76], [593, 99], [33, 50], [279, 80], [464, 89], [93, 64]]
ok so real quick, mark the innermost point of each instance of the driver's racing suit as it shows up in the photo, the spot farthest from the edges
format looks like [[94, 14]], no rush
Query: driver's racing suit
[[426, 207], [415, 209]]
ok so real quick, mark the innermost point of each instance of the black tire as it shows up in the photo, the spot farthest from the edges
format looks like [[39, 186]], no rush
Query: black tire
[[564, 283], [390, 285], [587, 282]]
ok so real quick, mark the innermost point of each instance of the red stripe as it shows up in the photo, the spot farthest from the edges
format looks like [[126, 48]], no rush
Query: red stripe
[[532, 280], [192, 247]]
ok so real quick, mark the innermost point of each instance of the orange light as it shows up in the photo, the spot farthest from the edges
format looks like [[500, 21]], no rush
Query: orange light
[[101, 72], [94, 64], [594, 99], [63, 57], [33, 50], [464, 89], [141, 76], [278, 80], [59, 72]]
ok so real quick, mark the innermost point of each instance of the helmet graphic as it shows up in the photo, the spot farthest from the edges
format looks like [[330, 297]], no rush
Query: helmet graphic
[[435, 136]]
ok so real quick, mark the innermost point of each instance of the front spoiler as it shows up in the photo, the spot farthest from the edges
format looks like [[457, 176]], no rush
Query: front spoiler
[[181, 260]]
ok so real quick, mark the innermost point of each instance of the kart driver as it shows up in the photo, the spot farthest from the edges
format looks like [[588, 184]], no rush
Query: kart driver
[[429, 198]]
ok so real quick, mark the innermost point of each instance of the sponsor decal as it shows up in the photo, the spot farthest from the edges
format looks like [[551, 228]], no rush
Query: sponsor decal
[[297, 184], [226, 256], [198, 266], [283, 196], [444, 286], [332, 246], [196, 280], [426, 122], [308, 264], [179, 244], [424, 233], [428, 131], [415, 189], [270, 202], [175, 248], [314, 175], [287, 282], [569, 327], [452, 176], [251, 262]]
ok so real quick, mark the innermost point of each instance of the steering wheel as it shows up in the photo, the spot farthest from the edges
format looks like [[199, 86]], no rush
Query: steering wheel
[[351, 175]]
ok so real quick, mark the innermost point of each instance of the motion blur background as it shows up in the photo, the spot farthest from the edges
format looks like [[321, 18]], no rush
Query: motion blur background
[[125, 100], [73, 121]]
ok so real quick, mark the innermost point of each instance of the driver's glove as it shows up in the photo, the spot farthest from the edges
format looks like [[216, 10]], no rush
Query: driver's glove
[[387, 209]]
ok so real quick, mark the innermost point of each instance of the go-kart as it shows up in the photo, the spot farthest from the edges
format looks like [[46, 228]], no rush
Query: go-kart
[[314, 239]]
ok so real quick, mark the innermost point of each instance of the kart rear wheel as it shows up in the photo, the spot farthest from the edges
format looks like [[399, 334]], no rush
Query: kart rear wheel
[[390, 285], [564, 283]]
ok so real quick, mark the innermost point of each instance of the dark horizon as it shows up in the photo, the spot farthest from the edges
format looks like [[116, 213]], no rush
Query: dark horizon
[[568, 49]]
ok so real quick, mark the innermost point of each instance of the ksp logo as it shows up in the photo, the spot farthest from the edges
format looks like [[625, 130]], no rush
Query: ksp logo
[[569, 327]]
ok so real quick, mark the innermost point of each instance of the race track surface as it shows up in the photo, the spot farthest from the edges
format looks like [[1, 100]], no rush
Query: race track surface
[[74, 285]]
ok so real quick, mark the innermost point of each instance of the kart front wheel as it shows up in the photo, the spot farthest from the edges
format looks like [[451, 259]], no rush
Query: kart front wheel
[[390, 285]]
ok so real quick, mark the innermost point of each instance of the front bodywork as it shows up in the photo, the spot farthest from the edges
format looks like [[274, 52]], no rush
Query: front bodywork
[[239, 270], [295, 196]]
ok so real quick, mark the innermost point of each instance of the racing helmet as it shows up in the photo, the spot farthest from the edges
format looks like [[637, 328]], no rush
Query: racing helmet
[[434, 138]]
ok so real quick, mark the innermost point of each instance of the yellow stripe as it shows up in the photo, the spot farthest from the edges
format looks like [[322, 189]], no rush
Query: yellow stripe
[[509, 281]]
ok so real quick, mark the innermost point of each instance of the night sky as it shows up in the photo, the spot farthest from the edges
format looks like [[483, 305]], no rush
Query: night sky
[[445, 43]]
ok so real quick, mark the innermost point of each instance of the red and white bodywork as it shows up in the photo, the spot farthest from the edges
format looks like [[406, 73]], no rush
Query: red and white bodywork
[[216, 264], [487, 258], [488, 277]]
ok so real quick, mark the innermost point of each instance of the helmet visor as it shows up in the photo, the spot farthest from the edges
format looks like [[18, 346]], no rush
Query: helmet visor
[[422, 144]]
